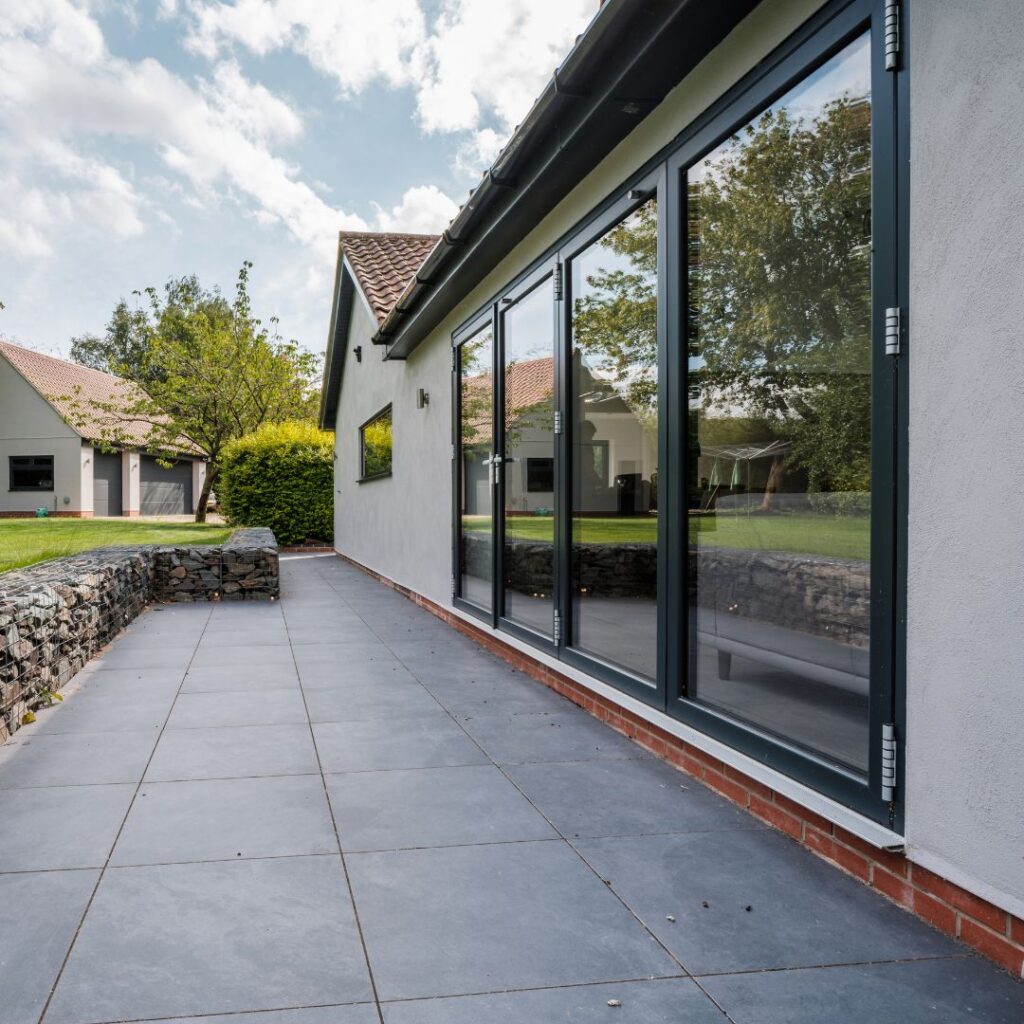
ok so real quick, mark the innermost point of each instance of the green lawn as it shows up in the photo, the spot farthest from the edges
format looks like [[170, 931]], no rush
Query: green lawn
[[803, 533], [25, 541]]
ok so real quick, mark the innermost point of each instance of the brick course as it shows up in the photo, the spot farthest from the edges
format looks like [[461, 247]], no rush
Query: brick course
[[984, 927]]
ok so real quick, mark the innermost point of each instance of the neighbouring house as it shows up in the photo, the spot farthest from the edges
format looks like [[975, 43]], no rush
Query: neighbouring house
[[705, 410], [56, 429]]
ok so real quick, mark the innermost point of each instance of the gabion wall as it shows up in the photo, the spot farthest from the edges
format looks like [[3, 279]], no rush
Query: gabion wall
[[56, 615]]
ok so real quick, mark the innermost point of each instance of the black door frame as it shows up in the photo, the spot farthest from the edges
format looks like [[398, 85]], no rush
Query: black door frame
[[825, 33]]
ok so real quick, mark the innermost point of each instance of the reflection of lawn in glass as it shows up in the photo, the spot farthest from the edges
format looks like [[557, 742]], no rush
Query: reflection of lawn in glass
[[803, 533]]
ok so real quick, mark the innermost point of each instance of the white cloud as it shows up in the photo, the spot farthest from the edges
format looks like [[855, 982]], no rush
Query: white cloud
[[424, 209], [476, 68], [62, 90]]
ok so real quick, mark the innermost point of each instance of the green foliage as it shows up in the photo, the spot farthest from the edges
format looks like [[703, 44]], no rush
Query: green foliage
[[207, 372], [377, 446], [280, 476]]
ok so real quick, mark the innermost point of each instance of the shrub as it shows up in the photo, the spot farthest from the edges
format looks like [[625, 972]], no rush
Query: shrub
[[281, 476]]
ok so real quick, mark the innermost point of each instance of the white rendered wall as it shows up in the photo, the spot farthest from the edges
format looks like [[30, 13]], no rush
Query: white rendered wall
[[85, 498], [965, 661], [30, 426], [131, 483], [198, 479]]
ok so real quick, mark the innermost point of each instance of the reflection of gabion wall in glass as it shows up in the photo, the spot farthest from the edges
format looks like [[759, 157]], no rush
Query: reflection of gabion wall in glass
[[826, 597], [56, 615]]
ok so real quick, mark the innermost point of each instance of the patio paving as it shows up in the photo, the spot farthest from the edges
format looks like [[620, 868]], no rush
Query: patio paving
[[335, 810]]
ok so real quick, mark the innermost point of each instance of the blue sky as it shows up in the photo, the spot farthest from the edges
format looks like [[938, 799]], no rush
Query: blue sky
[[144, 139]]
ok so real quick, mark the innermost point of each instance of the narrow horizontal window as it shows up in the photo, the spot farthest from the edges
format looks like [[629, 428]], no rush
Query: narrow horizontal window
[[31, 472], [375, 446]]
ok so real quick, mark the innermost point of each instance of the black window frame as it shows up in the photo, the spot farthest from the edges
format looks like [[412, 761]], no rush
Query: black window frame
[[34, 459], [387, 410], [824, 34]]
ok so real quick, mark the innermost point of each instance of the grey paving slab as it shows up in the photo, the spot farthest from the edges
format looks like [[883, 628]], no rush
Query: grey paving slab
[[369, 670], [359, 702], [956, 991], [213, 938], [75, 759], [506, 694], [155, 654], [431, 807], [554, 736], [428, 741], [256, 707], [99, 708], [232, 752], [660, 1001], [484, 918], [803, 912], [332, 660], [240, 679], [214, 819], [603, 798], [364, 1013], [39, 913], [245, 635], [129, 682], [60, 827], [217, 655]]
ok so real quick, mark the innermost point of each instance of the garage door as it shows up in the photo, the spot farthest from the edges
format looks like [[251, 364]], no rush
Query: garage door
[[165, 492], [106, 484]]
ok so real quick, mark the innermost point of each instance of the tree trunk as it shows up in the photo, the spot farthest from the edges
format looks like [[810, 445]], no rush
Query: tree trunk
[[204, 495], [774, 479]]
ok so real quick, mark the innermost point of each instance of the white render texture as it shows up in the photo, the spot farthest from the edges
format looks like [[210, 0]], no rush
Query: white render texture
[[30, 426], [964, 748], [965, 665]]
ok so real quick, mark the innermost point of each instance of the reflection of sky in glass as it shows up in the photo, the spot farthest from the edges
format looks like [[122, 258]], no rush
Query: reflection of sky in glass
[[529, 325], [847, 73]]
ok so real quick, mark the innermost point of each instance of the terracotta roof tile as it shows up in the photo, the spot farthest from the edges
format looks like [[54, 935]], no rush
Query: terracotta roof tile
[[384, 263], [74, 391]]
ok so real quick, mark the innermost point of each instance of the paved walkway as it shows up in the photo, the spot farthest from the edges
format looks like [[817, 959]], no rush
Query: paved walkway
[[336, 810]]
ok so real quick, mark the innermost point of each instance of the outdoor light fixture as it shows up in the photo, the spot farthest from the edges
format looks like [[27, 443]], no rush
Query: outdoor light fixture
[[358, 351], [422, 398]]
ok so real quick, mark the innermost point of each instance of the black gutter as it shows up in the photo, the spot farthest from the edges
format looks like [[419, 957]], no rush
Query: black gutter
[[631, 55], [337, 339]]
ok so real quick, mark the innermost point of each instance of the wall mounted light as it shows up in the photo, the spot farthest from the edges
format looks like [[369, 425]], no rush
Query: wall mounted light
[[422, 398], [358, 353]]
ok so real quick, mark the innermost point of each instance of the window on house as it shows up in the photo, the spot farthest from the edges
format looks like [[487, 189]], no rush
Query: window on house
[[540, 476], [375, 446], [31, 472]]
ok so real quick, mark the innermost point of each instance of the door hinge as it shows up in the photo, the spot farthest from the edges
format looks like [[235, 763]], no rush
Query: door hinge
[[892, 35], [453, 453], [455, 359], [557, 281], [893, 328], [454, 591], [888, 761], [556, 628], [558, 421]]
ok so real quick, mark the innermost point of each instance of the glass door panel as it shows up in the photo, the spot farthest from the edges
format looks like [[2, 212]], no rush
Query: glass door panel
[[528, 460], [779, 416], [614, 445], [476, 468]]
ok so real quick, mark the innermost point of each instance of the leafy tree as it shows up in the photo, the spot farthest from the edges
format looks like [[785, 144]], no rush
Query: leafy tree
[[780, 297], [208, 372], [123, 348]]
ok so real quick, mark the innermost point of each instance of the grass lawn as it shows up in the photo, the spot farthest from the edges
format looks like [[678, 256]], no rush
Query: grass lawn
[[25, 541], [802, 533]]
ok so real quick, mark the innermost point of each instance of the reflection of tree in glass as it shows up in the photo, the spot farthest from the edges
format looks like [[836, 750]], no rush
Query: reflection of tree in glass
[[377, 446], [476, 390], [779, 272], [615, 318]]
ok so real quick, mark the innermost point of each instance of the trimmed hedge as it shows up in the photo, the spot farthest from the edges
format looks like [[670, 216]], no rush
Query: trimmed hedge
[[280, 476]]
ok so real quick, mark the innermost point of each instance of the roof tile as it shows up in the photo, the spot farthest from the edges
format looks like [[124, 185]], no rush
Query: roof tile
[[384, 263]]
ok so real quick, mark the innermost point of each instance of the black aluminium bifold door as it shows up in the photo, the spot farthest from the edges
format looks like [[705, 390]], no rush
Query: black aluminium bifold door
[[688, 477]]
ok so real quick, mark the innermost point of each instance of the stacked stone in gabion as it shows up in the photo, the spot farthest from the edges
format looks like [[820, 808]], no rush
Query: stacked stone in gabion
[[55, 616], [249, 568], [186, 574]]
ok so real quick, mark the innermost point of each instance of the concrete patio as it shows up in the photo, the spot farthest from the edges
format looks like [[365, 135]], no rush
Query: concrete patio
[[336, 810]]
